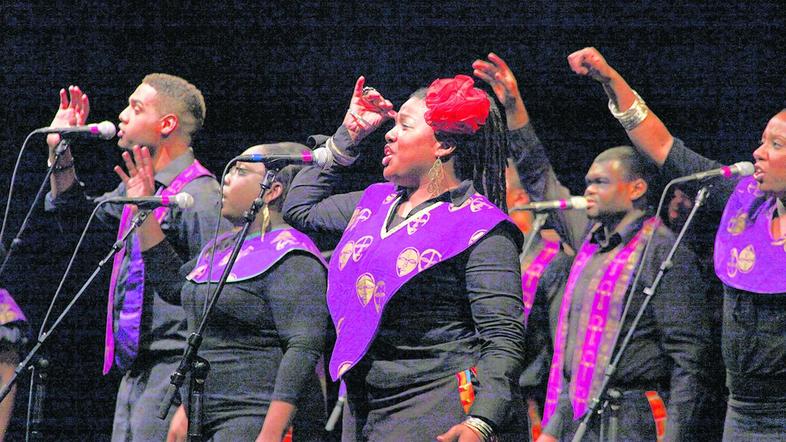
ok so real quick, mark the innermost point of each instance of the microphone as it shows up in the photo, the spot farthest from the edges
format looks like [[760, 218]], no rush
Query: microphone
[[572, 203], [105, 130], [318, 157], [743, 168], [182, 200]]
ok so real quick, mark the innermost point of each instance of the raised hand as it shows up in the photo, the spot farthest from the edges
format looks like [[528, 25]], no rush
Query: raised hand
[[368, 109], [139, 180], [73, 111], [589, 62], [500, 77]]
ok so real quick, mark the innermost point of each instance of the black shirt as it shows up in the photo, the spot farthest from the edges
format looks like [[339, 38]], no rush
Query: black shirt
[[187, 230], [671, 344], [465, 311], [754, 325], [263, 338]]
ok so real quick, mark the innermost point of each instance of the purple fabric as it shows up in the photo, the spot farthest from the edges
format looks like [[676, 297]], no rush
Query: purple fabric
[[121, 346], [598, 323], [256, 256], [746, 255], [371, 262], [9, 309], [531, 272]]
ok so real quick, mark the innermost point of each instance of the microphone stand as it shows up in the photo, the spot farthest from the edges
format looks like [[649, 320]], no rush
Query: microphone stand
[[701, 197], [187, 363], [140, 217], [61, 147], [35, 403], [537, 224]]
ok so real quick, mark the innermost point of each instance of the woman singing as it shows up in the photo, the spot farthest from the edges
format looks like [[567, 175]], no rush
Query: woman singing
[[424, 287], [268, 328]]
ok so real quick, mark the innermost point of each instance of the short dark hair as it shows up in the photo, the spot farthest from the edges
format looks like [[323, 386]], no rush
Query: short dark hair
[[181, 98], [635, 165]]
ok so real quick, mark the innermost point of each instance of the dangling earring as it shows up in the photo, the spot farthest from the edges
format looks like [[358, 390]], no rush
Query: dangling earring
[[265, 222], [436, 176]]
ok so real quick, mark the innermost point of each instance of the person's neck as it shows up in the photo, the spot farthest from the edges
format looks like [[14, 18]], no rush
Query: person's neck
[[167, 151], [617, 222], [275, 217], [421, 194]]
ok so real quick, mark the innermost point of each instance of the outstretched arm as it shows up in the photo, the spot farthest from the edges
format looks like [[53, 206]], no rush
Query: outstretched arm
[[527, 152], [650, 135], [310, 205]]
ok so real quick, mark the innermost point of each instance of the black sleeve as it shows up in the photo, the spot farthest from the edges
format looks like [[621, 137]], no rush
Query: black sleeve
[[309, 206], [295, 289], [541, 183], [685, 327], [683, 161], [493, 281], [170, 271]]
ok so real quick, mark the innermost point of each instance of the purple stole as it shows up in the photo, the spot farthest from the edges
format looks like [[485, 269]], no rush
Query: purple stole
[[532, 271], [256, 256], [371, 262], [598, 321], [127, 335], [9, 309], [746, 255]]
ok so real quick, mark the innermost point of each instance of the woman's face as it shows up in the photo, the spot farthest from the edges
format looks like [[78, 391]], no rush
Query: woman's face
[[241, 187], [411, 146], [770, 157]]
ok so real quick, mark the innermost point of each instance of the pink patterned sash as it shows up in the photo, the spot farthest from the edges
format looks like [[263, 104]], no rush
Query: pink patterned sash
[[598, 321], [127, 334]]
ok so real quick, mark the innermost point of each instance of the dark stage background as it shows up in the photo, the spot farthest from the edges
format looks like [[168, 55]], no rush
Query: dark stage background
[[713, 71]]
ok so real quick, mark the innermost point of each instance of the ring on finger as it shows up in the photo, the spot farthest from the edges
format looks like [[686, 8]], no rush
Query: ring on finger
[[367, 90]]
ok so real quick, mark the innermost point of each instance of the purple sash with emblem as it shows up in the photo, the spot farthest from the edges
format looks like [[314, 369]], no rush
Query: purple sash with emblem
[[598, 321], [127, 334], [257, 255], [9, 309], [372, 262], [532, 271], [746, 255]]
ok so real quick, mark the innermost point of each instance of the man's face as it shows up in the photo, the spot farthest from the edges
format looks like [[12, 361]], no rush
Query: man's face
[[140, 121], [609, 194]]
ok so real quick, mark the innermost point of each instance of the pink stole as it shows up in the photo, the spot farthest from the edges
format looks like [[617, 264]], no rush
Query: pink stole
[[131, 308], [532, 271], [598, 321]]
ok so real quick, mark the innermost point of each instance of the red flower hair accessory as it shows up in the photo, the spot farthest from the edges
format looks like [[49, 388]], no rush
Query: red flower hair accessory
[[455, 105]]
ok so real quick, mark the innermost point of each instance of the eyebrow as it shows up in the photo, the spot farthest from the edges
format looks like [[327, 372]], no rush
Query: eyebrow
[[135, 102]]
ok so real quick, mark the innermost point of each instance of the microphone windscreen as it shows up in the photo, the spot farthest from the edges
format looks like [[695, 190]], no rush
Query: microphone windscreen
[[107, 130], [184, 200], [578, 202], [744, 168]]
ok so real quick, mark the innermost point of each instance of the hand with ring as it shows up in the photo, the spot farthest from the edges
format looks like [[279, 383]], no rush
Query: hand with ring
[[368, 109]]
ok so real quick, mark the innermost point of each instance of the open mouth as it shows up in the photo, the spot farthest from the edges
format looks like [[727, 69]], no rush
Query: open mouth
[[758, 174], [388, 156]]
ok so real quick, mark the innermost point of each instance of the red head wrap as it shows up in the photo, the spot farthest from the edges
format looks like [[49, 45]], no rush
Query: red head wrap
[[455, 105]]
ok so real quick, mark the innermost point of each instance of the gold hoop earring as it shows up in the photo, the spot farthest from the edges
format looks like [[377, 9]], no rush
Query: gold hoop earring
[[265, 222], [436, 178]]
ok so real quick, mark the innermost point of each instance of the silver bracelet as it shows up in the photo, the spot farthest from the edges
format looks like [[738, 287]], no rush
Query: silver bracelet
[[483, 429], [339, 155], [632, 117]]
